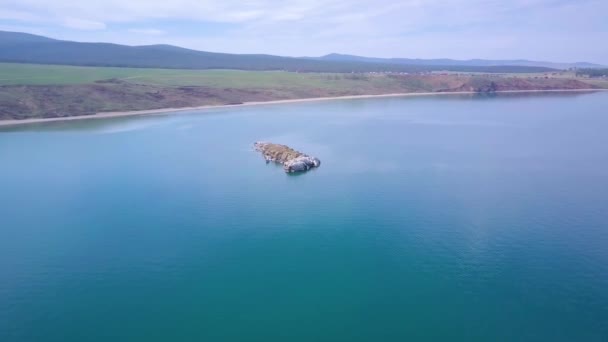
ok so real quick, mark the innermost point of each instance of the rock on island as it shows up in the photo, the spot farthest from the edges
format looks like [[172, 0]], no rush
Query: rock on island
[[292, 160]]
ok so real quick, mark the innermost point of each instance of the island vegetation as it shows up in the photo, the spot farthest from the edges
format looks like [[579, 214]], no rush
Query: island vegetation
[[292, 160]]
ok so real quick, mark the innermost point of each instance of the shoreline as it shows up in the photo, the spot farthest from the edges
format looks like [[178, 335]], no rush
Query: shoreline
[[106, 115]]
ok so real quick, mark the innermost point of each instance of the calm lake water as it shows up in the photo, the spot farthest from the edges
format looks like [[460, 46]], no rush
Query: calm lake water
[[431, 219]]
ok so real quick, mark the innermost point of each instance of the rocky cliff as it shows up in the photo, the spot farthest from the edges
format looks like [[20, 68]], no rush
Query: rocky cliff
[[292, 160]]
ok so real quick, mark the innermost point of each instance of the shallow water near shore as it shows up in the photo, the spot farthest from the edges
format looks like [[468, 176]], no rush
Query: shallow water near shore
[[477, 218]]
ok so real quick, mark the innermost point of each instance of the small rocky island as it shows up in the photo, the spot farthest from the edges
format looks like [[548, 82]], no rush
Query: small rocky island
[[292, 160]]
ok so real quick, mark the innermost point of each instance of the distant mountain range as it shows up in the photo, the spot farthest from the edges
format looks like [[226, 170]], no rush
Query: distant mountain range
[[20, 47], [454, 62]]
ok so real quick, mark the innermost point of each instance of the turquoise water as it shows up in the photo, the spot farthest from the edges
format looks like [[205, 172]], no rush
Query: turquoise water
[[431, 219]]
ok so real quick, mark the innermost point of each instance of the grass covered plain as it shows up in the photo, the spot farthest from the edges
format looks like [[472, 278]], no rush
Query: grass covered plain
[[51, 91], [34, 74]]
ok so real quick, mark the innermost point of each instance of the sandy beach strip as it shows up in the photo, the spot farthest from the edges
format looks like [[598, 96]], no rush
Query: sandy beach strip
[[105, 115]]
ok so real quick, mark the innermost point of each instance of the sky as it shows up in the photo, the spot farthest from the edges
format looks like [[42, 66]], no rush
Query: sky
[[549, 30]]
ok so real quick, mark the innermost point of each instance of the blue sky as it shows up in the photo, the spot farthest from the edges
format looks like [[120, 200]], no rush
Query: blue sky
[[555, 30]]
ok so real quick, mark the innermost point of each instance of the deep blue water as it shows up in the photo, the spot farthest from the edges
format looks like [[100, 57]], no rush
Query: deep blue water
[[437, 218]]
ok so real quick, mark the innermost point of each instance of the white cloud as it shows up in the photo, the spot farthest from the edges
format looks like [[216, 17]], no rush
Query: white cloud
[[82, 24], [403, 13], [148, 31]]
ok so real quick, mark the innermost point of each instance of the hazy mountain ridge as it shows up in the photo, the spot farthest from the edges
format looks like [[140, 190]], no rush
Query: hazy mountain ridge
[[455, 62], [20, 47]]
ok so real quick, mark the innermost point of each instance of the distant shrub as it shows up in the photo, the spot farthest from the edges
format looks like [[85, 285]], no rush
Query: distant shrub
[[592, 72]]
